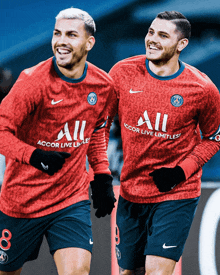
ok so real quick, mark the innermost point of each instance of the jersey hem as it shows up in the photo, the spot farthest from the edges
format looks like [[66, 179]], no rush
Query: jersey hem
[[46, 212], [166, 197]]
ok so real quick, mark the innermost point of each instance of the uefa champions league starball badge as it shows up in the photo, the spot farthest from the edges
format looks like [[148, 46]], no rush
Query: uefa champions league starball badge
[[92, 98], [176, 100]]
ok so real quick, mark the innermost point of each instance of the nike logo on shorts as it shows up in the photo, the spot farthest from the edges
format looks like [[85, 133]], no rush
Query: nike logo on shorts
[[168, 246]]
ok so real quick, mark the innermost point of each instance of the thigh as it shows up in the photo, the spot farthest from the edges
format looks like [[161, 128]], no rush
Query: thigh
[[130, 235], [159, 265], [17, 272], [71, 228], [20, 241], [137, 271], [72, 261], [169, 228]]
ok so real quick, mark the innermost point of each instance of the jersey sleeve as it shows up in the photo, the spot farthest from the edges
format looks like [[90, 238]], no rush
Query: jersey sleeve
[[97, 151], [209, 123], [113, 104], [14, 109]]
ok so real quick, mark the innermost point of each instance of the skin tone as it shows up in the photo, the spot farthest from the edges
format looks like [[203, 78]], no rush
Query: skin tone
[[71, 44], [17, 272], [72, 261], [163, 46]]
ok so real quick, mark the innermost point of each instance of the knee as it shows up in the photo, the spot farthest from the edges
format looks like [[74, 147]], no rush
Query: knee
[[76, 269], [156, 265], [158, 271], [123, 271], [80, 269], [137, 271]]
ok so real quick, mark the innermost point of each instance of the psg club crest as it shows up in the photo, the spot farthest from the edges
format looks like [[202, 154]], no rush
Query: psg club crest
[[92, 98], [3, 257], [118, 253], [176, 100]]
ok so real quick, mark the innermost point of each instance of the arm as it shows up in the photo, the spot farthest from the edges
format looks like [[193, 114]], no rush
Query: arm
[[97, 154], [209, 122], [14, 109], [102, 188], [201, 154], [17, 107], [112, 111], [113, 103]]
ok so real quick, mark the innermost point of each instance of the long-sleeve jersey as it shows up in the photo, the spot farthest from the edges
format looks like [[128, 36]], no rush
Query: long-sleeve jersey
[[160, 120], [49, 111]]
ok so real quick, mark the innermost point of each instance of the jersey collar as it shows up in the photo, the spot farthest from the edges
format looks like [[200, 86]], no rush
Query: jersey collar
[[67, 79], [182, 67]]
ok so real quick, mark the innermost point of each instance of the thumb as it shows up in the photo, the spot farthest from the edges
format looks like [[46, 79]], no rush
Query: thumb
[[65, 154]]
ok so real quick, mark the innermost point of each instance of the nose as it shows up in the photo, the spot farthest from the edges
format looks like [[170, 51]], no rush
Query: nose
[[62, 39], [153, 39]]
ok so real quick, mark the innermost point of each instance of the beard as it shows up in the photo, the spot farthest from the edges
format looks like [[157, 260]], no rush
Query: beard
[[164, 57], [68, 62]]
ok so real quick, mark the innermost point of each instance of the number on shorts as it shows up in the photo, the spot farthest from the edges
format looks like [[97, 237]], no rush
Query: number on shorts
[[117, 237], [6, 237]]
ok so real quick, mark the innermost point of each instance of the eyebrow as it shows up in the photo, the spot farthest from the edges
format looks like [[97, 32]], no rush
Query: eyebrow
[[161, 32], [68, 31], [166, 33]]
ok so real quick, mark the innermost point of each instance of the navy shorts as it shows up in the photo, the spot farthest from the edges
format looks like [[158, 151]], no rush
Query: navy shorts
[[159, 229], [21, 239]]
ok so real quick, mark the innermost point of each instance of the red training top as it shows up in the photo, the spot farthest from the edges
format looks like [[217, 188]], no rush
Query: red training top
[[47, 110], [161, 119]]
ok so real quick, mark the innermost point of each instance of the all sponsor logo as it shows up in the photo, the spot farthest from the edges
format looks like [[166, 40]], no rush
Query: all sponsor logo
[[160, 126], [75, 140]]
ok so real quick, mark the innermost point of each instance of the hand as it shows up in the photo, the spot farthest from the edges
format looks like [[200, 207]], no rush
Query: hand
[[48, 161], [102, 195], [167, 178]]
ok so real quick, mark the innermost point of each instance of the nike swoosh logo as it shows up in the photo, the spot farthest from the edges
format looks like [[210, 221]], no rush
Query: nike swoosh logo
[[168, 246], [134, 92], [90, 241], [45, 167], [55, 102]]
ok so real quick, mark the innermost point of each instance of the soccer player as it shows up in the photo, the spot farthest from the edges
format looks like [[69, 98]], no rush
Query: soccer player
[[162, 104], [52, 118]]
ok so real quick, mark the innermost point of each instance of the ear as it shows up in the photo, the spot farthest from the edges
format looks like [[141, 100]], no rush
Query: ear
[[182, 44], [90, 43]]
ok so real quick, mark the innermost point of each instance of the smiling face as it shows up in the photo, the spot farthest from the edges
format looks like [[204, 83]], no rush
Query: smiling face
[[162, 41], [71, 43]]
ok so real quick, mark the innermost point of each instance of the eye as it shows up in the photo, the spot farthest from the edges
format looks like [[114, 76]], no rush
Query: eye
[[72, 35], [56, 33], [164, 36]]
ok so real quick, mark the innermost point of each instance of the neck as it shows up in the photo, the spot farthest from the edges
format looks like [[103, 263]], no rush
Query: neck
[[166, 68], [75, 71]]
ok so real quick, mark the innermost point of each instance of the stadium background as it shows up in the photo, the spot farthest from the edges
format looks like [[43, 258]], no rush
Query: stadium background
[[26, 32]]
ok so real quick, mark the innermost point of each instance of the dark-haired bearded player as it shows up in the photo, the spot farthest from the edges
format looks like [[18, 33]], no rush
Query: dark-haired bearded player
[[162, 104]]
